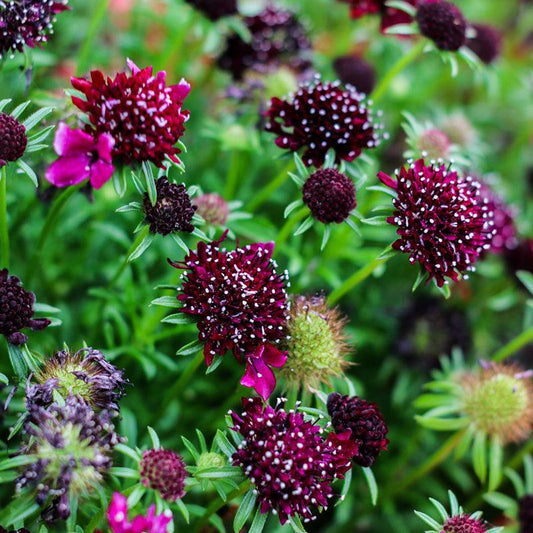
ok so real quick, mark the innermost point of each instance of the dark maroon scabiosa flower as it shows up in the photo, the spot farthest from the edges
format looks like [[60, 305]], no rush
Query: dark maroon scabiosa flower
[[85, 373], [212, 208], [321, 117], [389, 16], [443, 23], [164, 471], [329, 195], [277, 38], [464, 523], [355, 71], [525, 513], [71, 445], [241, 305], [13, 139], [142, 114], [26, 23], [173, 210], [215, 9], [364, 420], [16, 310], [442, 220], [287, 459], [486, 44]]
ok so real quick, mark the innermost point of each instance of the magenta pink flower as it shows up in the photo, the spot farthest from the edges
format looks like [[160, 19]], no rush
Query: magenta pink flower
[[81, 157], [117, 516]]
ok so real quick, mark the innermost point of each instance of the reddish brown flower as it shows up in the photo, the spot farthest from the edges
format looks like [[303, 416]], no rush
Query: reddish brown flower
[[164, 471], [13, 139]]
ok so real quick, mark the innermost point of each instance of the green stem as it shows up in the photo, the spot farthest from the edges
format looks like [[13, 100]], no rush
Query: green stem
[[286, 229], [514, 345], [87, 48], [403, 62], [272, 186], [358, 276], [233, 175], [4, 230]]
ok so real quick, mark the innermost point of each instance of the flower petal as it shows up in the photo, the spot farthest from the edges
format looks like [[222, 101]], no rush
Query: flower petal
[[104, 147], [101, 173], [67, 140], [273, 357], [259, 377], [68, 170]]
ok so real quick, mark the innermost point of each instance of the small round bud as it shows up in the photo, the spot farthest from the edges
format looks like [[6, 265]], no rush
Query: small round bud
[[13, 139], [353, 70], [443, 23], [486, 44], [164, 471], [210, 460]]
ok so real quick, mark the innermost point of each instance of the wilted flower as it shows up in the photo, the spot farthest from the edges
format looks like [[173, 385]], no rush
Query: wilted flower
[[85, 373], [443, 23], [366, 423], [142, 114], [13, 139], [317, 344], [287, 459], [81, 157], [486, 44], [27, 23], [212, 208], [441, 218], [355, 71], [389, 16], [16, 310], [71, 445], [215, 9], [323, 116], [117, 517], [173, 210], [241, 305], [164, 471]]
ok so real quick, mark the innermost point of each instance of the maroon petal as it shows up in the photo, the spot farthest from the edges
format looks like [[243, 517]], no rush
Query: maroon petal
[[259, 377]]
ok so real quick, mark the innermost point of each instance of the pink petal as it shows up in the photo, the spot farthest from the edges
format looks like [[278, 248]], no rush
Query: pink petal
[[387, 180], [101, 172], [68, 170], [183, 88], [259, 377], [273, 357], [68, 141], [117, 514], [104, 147], [133, 67]]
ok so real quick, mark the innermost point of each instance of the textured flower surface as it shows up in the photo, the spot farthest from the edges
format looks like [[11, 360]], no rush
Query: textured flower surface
[[366, 423], [389, 16], [164, 471], [117, 517], [323, 116], [13, 139], [442, 221], [355, 71], [212, 208], [464, 523], [525, 513], [486, 44], [287, 459], [241, 305], [443, 23], [71, 445], [26, 23], [16, 310], [142, 114], [434, 144], [81, 157], [215, 9], [173, 210]]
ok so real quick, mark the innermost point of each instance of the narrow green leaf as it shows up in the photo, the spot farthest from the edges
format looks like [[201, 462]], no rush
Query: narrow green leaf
[[166, 301], [183, 510], [19, 109], [36, 117], [224, 444], [501, 501], [154, 438], [300, 167], [28, 171], [191, 447], [150, 182], [258, 522], [291, 207], [527, 279], [325, 236], [372, 485], [304, 226], [479, 456], [177, 318], [189, 348], [495, 464], [120, 184], [142, 247], [244, 511]]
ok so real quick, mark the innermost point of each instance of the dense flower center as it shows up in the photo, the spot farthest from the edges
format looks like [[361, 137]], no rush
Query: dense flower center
[[13, 139]]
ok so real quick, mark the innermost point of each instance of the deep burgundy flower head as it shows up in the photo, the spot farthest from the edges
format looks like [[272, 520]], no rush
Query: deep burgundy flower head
[[464, 523], [487, 43], [355, 71], [277, 38], [215, 9], [13, 139], [16, 310], [389, 16], [525, 513], [443, 23], [321, 117], [442, 221], [22, 530], [287, 458], [241, 305], [520, 257], [212, 208], [72, 446], [365, 422], [26, 23], [173, 210], [164, 471], [329, 195], [139, 111]]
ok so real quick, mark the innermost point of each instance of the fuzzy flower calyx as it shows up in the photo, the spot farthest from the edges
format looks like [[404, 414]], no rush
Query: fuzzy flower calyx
[[140, 112], [322, 116], [164, 471], [240, 304], [443, 23], [13, 138]]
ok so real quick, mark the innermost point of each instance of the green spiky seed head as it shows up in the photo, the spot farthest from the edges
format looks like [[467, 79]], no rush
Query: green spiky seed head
[[211, 460]]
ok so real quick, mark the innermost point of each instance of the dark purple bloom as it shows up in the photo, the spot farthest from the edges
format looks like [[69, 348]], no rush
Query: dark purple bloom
[[173, 210], [81, 157], [442, 220], [321, 117], [241, 305], [287, 459], [26, 23], [355, 71], [443, 23], [16, 310], [212, 208], [520, 257], [13, 139], [141, 114], [525, 513], [164, 471], [486, 44], [365, 422], [215, 9], [329, 195]]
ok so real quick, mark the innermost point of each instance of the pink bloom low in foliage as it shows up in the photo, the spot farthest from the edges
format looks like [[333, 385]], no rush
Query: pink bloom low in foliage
[[117, 516], [81, 157]]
